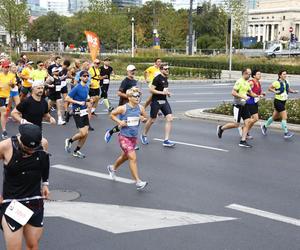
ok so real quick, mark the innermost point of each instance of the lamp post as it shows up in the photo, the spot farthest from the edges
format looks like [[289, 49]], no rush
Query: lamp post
[[132, 37]]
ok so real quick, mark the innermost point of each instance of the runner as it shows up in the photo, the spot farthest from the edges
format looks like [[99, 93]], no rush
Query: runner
[[241, 93], [78, 96], [128, 117], [14, 92], [53, 84], [25, 184], [94, 91], [7, 80], [64, 75], [39, 74], [252, 103], [105, 72], [33, 109], [26, 77], [281, 88], [160, 91], [126, 84], [55, 64], [149, 74]]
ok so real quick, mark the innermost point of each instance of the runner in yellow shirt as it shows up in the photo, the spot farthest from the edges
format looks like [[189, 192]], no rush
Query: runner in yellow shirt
[[149, 75], [7, 80], [26, 77], [94, 91]]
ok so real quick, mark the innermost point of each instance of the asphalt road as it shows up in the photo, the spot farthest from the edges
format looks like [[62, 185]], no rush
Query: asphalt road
[[256, 191]]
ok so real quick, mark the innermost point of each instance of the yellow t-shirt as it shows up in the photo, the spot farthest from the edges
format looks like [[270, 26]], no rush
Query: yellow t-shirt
[[26, 72], [152, 72], [283, 96], [39, 75], [95, 78], [4, 84]]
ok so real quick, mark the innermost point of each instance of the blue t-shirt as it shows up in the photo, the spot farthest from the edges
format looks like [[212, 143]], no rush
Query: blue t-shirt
[[77, 78], [79, 93]]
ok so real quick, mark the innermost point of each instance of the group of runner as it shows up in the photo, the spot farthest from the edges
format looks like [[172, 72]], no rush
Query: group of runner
[[247, 94]]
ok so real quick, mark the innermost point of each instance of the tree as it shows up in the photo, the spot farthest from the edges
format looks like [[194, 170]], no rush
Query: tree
[[14, 17]]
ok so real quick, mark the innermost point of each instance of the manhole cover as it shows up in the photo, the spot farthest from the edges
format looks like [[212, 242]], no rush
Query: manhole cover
[[63, 195]]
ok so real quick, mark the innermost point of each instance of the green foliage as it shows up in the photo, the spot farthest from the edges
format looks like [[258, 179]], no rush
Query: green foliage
[[265, 110]]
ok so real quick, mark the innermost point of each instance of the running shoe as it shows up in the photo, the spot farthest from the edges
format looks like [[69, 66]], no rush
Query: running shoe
[[61, 122], [94, 114], [107, 136], [288, 135], [4, 135], [91, 128], [263, 129], [68, 146], [136, 147], [78, 154], [67, 117], [168, 143], [249, 137], [245, 144], [112, 173], [219, 131], [141, 185], [110, 109], [144, 140]]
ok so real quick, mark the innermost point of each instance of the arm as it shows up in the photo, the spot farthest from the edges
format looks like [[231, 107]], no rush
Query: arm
[[71, 100], [16, 115], [114, 116], [49, 118], [236, 94], [293, 91], [144, 115], [272, 89], [45, 161]]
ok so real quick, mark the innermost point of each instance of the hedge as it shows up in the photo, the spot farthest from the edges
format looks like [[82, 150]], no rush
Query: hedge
[[265, 109]]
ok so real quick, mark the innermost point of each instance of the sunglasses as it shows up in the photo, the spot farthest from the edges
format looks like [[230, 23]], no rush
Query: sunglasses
[[136, 95], [41, 65], [85, 76], [165, 68], [97, 63]]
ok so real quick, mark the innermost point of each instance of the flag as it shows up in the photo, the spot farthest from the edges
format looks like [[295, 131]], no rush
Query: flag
[[93, 43]]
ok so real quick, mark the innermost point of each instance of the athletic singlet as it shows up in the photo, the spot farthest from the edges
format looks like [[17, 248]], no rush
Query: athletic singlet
[[132, 117], [256, 89], [23, 175]]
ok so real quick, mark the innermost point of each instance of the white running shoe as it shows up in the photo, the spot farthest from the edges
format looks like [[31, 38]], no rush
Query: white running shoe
[[78, 154], [68, 145], [141, 185], [61, 121], [112, 173]]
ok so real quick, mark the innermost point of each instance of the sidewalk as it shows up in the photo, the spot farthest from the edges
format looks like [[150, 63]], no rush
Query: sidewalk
[[200, 114]]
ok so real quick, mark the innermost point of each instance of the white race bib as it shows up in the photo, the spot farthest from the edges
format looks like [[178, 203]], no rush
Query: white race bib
[[256, 99], [18, 212], [133, 121], [105, 81], [83, 112], [57, 88], [284, 96], [63, 83]]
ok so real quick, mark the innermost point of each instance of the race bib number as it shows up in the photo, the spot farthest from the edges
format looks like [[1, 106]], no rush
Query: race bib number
[[284, 96], [105, 81], [133, 121], [63, 83], [256, 99], [57, 88], [18, 212], [161, 102], [83, 112]]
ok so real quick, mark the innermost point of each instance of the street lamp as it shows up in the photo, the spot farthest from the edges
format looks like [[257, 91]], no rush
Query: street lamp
[[132, 37]]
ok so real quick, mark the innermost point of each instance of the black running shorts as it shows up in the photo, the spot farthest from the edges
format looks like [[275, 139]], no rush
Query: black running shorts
[[240, 112], [64, 90], [94, 92], [162, 105], [279, 105], [253, 108], [36, 220], [81, 121]]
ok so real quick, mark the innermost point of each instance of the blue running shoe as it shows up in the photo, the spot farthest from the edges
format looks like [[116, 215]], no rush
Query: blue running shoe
[[168, 143], [144, 139], [107, 136]]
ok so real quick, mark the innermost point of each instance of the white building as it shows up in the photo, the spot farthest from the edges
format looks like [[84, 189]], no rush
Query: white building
[[271, 20]]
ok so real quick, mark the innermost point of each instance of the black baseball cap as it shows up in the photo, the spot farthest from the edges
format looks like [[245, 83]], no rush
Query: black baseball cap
[[31, 135], [83, 72]]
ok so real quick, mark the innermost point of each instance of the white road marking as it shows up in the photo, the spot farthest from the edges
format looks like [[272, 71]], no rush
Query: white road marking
[[265, 214], [122, 219], [91, 173], [195, 145]]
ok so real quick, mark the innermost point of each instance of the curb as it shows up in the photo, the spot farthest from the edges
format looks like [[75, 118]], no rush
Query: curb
[[201, 114], [209, 81]]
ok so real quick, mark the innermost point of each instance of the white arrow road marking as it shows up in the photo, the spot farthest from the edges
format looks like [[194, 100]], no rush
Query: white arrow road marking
[[265, 214], [194, 145], [121, 219], [91, 173]]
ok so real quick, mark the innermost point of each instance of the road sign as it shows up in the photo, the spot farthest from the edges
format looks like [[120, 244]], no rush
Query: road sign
[[291, 29]]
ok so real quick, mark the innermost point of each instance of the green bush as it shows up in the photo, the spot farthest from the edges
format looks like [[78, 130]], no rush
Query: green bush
[[265, 109]]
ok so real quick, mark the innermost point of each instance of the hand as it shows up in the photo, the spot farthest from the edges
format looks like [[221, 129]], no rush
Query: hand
[[296, 92], [52, 120], [122, 124], [24, 121], [1, 198], [51, 85], [106, 76], [81, 103], [45, 192], [143, 119]]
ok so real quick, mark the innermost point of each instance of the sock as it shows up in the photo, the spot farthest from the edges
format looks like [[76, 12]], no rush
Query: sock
[[269, 121], [70, 140], [106, 103], [77, 149], [114, 130], [283, 125]]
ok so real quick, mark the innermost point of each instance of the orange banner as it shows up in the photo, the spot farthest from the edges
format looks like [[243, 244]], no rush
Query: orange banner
[[93, 43]]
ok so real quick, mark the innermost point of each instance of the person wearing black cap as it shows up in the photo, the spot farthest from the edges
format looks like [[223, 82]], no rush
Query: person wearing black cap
[[78, 96], [25, 185]]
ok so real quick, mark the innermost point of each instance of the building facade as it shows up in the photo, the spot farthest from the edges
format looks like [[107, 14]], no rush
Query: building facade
[[272, 20]]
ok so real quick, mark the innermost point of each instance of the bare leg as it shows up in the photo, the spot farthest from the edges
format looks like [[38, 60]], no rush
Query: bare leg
[[148, 125], [32, 236], [3, 118], [121, 159], [13, 240], [133, 165], [168, 126]]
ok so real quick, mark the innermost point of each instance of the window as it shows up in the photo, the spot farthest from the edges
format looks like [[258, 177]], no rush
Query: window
[[282, 28], [283, 17]]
